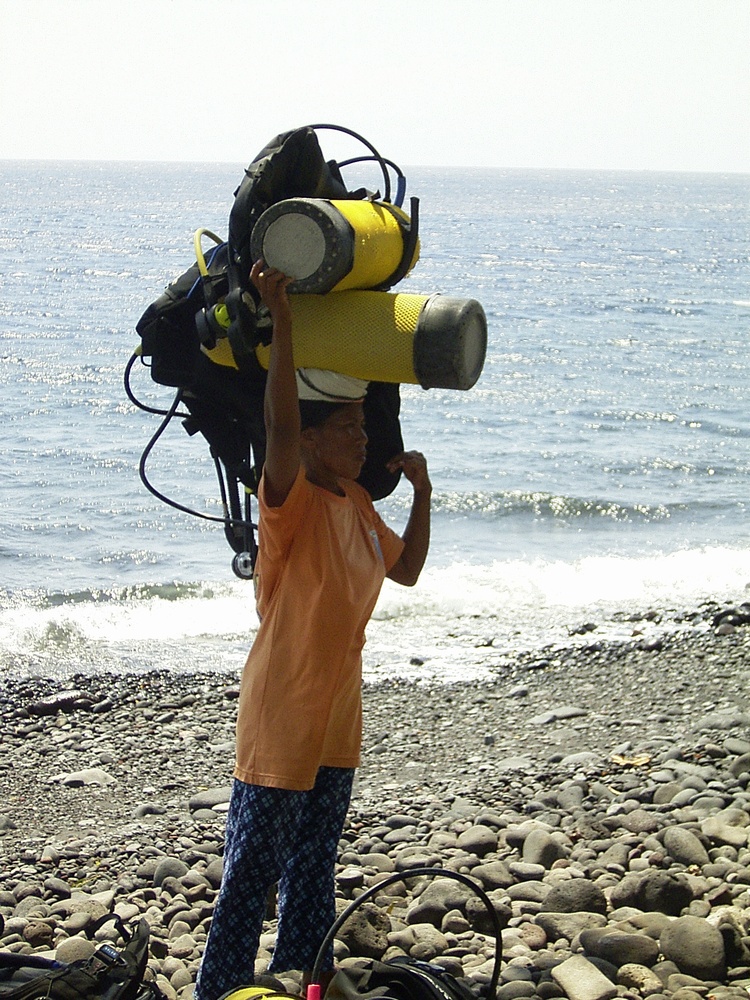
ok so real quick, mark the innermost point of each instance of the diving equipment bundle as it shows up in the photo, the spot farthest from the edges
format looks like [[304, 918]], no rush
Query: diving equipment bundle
[[208, 335]]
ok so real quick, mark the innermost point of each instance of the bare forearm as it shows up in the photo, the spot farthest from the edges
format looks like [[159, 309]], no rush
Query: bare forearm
[[416, 538], [280, 405], [280, 409], [417, 534]]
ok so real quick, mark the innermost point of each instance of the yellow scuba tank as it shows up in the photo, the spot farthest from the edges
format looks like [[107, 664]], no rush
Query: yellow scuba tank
[[336, 245], [256, 993], [434, 341]]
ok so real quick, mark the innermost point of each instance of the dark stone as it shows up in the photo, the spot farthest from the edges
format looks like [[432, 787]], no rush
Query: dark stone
[[577, 895], [365, 933], [653, 890], [479, 917], [62, 701]]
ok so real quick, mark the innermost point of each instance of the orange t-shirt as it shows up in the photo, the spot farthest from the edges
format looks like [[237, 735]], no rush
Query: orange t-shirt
[[322, 561]]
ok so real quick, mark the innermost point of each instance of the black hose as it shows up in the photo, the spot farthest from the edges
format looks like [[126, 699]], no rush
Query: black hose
[[134, 399], [226, 520], [401, 179], [400, 877], [369, 145]]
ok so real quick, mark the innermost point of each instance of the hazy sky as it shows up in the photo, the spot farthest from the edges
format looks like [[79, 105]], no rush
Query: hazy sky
[[632, 84]]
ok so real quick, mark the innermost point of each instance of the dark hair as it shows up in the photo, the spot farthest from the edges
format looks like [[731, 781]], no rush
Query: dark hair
[[314, 412]]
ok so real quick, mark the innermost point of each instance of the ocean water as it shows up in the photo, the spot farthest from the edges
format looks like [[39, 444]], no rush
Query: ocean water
[[599, 468]]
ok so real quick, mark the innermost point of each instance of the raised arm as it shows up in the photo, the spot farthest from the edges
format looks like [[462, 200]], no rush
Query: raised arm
[[280, 406], [417, 534]]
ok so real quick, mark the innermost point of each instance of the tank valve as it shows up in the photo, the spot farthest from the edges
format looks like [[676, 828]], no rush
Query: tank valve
[[242, 564]]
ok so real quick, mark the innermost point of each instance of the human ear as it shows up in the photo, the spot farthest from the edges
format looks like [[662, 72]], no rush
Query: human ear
[[309, 439]]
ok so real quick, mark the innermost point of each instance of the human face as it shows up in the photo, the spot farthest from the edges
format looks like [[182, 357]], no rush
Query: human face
[[340, 442]]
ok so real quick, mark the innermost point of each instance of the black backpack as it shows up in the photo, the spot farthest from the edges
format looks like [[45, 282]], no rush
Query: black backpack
[[110, 974], [225, 404]]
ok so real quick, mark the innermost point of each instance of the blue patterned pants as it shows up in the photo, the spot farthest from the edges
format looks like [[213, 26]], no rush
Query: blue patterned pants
[[275, 835]]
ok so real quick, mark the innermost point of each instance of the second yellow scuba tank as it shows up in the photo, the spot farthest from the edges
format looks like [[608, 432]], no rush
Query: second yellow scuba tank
[[435, 341]]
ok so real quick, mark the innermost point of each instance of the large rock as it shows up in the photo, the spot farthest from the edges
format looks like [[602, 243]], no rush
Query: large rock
[[542, 849], [38, 934], [695, 947], [653, 890], [620, 948], [479, 840], [422, 941], [365, 933], [479, 916], [169, 868], [685, 847], [652, 923], [568, 925], [209, 798], [574, 896], [723, 830], [734, 925], [74, 949], [214, 871], [62, 701], [581, 980], [85, 906], [639, 978], [87, 776], [440, 896], [493, 875]]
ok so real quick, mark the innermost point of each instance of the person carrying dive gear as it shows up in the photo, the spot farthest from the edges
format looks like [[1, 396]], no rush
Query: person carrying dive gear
[[323, 555]]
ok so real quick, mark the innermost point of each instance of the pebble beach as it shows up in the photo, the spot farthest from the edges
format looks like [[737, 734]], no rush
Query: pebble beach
[[598, 793]]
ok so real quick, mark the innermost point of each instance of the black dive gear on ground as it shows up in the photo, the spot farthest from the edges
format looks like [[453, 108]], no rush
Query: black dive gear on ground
[[214, 298], [110, 974]]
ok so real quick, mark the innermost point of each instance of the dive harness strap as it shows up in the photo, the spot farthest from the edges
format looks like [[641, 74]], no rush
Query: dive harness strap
[[410, 235]]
